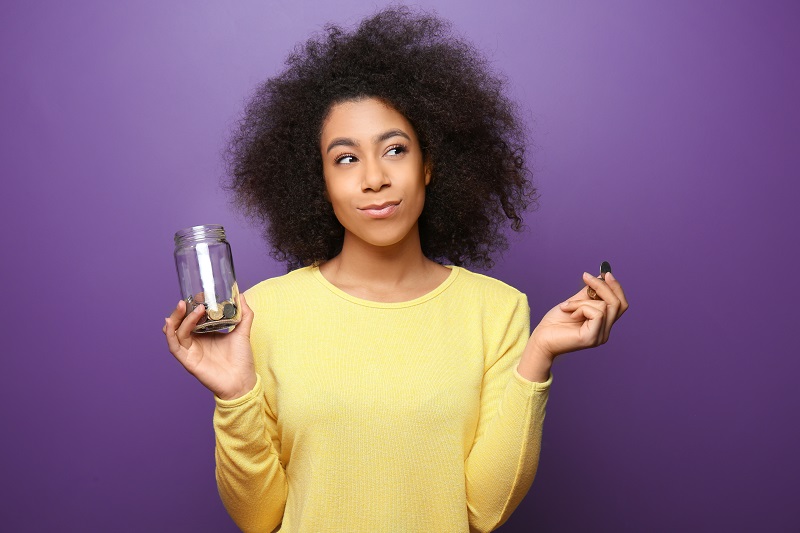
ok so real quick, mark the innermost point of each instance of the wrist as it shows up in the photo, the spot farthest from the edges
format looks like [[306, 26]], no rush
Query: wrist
[[535, 363], [246, 387]]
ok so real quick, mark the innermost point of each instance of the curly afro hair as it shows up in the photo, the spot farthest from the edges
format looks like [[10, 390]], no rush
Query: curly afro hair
[[468, 129]]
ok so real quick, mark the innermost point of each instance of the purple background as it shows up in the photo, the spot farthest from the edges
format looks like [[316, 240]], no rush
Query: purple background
[[665, 139]]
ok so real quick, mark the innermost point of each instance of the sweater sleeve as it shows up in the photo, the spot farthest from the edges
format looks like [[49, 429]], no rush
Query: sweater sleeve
[[250, 477], [505, 453]]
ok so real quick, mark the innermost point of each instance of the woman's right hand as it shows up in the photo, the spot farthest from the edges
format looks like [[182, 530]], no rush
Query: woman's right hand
[[222, 362]]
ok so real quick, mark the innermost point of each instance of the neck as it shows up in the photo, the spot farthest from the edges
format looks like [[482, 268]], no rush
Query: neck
[[379, 266], [396, 273]]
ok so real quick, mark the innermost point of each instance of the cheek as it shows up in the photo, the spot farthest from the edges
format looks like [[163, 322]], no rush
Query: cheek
[[338, 200], [332, 194], [420, 193], [421, 202]]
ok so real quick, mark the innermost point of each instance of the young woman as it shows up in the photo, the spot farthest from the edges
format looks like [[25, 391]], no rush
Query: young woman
[[380, 385]]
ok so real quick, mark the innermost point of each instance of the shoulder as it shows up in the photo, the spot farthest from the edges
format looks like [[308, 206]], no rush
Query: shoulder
[[504, 313], [280, 288], [490, 290]]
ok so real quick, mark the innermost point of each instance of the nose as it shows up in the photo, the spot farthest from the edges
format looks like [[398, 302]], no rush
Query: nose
[[375, 177]]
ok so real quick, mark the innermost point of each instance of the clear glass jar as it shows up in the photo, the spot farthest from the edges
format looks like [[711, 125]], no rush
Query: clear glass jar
[[205, 271]]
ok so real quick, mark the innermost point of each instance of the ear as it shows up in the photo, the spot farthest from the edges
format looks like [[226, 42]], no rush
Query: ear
[[428, 171]]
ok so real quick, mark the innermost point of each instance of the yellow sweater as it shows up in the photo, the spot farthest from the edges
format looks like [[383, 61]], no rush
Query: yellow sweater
[[371, 417]]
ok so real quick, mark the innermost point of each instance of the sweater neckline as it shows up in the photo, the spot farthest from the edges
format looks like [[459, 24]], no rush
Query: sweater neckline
[[454, 271]]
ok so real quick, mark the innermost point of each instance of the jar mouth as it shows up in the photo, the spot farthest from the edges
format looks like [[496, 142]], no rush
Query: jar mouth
[[199, 233]]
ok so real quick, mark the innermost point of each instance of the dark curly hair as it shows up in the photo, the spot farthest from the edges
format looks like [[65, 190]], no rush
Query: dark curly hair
[[468, 129]]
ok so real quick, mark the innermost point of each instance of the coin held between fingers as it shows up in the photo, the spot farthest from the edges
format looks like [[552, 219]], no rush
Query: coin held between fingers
[[605, 267]]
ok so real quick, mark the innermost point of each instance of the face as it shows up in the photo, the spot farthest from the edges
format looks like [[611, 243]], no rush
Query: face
[[374, 171]]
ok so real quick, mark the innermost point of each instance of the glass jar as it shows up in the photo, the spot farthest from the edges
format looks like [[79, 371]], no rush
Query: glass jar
[[205, 272]]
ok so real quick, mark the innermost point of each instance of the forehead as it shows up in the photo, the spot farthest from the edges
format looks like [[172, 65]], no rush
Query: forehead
[[363, 119]]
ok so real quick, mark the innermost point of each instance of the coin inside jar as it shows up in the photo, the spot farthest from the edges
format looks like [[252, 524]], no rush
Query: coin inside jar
[[214, 313]]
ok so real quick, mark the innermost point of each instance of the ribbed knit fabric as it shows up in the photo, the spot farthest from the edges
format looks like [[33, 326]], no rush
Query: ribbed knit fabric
[[371, 417]]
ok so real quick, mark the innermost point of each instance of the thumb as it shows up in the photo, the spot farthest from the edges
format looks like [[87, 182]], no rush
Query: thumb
[[247, 317]]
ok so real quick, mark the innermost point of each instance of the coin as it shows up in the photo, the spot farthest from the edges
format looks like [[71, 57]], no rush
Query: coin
[[605, 267], [214, 313], [228, 310]]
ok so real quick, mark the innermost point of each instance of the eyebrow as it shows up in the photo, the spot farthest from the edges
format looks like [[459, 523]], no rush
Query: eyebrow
[[345, 141]]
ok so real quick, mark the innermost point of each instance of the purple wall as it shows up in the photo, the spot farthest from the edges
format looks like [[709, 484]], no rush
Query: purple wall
[[666, 141]]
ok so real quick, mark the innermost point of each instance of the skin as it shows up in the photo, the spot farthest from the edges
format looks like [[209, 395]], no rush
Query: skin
[[371, 155]]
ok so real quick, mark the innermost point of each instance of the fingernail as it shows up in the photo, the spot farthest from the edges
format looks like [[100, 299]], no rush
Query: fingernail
[[587, 275], [605, 267], [610, 276]]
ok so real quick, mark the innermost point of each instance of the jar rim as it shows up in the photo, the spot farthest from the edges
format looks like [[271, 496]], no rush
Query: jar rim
[[201, 232]]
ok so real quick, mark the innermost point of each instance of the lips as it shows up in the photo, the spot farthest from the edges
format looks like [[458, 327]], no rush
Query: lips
[[380, 210]]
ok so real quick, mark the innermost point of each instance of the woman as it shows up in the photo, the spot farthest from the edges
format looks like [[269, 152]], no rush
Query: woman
[[381, 386]]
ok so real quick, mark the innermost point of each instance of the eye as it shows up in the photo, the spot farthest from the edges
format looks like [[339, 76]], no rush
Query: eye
[[396, 150], [346, 159]]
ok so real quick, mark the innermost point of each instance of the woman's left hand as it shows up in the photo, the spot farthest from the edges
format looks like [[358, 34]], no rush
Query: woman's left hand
[[581, 322]]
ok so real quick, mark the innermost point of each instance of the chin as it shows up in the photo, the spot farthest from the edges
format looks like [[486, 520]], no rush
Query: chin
[[381, 240]]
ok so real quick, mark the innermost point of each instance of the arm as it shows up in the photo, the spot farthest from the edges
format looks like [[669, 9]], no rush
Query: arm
[[510, 427], [504, 457], [250, 477], [251, 480]]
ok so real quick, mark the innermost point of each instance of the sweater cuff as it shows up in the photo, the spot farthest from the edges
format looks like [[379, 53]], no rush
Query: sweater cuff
[[236, 402], [532, 386]]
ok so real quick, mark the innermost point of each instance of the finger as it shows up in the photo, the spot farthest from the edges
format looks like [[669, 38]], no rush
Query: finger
[[179, 311], [599, 306], [615, 307], [581, 294], [247, 317], [175, 317], [607, 294], [585, 292], [615, 286], [184, 331], [172, 341], [608, 322], [593, 325], [609, 310], [604, 292], [571, 305]]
